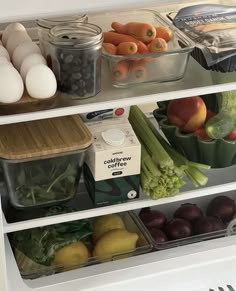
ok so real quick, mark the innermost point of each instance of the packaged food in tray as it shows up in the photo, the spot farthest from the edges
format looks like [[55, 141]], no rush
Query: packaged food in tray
[[189, 221], [42, 163], [213, 29], [71, 245], [138, 59]]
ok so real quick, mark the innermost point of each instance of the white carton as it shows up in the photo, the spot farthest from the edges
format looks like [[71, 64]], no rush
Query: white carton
[[116, 151]]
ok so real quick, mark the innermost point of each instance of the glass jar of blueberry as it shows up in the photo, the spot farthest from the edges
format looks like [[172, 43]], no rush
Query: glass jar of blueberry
[[45, 24], [76, 58]]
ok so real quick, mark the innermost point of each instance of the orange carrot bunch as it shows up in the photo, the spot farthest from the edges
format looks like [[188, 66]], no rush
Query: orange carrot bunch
[[135, 38]]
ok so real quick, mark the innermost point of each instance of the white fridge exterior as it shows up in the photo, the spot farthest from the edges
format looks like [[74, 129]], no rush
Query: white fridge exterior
[[201, 266]]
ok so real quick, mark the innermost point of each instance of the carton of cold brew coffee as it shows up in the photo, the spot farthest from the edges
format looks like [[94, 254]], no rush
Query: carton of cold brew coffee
[[112, 164]]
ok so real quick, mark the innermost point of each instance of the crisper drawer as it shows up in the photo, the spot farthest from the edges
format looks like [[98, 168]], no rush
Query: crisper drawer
[[189, 221], [79, 244], [199, 267]]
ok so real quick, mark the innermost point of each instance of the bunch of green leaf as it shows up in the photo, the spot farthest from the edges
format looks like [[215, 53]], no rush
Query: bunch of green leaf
[[41, 243], [46, 180]]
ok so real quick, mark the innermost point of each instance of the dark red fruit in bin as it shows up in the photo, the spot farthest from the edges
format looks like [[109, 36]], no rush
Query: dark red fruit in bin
[[188, 211], [158, 235], [222, 207], [145, 209], [178, 228], [231, 135], [208, 224], [210, 114], [152, 218]]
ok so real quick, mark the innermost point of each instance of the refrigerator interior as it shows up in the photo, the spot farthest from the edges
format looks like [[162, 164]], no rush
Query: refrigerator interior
[[201, 266]]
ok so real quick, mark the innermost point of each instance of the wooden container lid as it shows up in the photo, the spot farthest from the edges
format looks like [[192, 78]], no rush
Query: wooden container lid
[[46, 137]]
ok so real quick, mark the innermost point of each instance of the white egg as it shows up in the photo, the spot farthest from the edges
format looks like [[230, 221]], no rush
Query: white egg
[[16, 38], [41, 82], [4, 53], [22, 51], [29, 62], [11, 84], [11, 28], [4, 60]]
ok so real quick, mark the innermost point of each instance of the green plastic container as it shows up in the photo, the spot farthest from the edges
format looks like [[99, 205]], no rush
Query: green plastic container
[[218, 153]]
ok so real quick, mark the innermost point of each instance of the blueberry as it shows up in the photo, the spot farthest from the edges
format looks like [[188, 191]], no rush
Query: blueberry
[[81, 84], [76, 76], [68, 59]]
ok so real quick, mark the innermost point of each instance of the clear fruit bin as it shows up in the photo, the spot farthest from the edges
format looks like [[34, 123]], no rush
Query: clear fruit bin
[[29, 269], [169, 209], [154, 67]]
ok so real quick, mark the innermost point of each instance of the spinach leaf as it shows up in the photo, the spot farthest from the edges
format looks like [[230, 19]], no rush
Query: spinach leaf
[[48, 180]]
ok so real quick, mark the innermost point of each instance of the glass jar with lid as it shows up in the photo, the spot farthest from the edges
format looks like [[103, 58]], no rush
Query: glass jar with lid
[[75, 51], [45, 24]]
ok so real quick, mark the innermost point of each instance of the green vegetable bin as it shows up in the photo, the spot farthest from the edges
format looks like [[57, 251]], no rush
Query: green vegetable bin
[[218, 153], [42, 164]]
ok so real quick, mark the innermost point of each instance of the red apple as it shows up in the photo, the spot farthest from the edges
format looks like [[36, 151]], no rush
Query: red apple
[[188, 113], [231, 135], [209, 115], [201, 132]]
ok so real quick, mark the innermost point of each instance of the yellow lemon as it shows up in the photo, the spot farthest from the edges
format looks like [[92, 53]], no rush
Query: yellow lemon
[[105, 223], [113, 242], [72, 256]]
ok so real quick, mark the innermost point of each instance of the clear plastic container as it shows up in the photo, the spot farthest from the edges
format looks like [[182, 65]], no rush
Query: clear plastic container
[[45, 24], [30, 270], [43, 182], [156, 67], [168, 211], [75, 51]]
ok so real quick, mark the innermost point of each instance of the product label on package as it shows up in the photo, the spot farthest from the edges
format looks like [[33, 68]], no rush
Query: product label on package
[[107, 161], [105, 114], [212, 27]]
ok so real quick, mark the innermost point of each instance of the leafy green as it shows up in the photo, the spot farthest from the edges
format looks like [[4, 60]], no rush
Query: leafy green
[[41, 243], [45, 181]]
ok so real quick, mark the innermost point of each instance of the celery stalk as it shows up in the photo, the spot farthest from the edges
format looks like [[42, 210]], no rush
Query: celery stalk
[[160, 177], [181, 163]]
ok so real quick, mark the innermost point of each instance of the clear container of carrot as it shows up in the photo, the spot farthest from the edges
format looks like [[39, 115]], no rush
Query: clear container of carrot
[[142, 46]]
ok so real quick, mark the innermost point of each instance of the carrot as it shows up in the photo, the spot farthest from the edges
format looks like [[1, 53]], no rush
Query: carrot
[[142, 31], [127, 48], [158, 45], [110, 48], [116, 38], [138, 70], [164, 32], [120, 70], [142, 48]]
